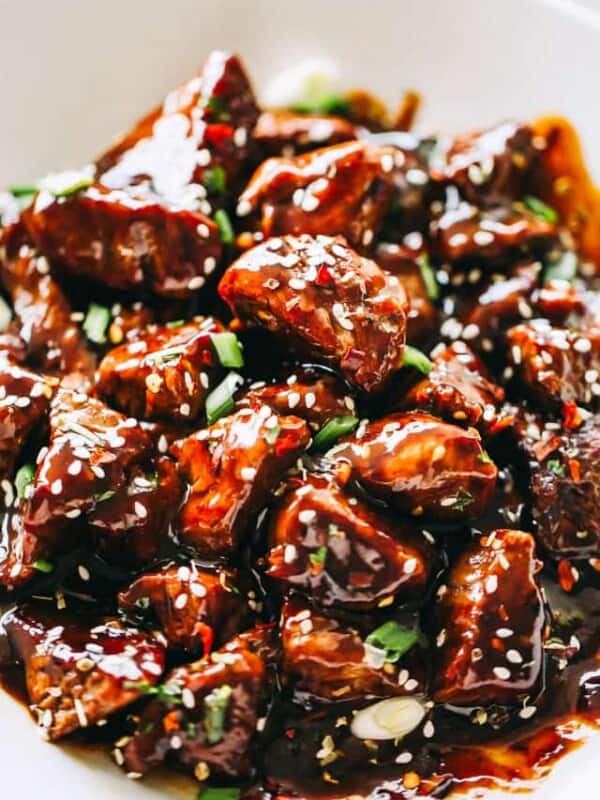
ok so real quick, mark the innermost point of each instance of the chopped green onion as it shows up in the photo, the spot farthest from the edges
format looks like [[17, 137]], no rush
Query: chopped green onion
[[219, 402], [272, 434], [43, 566], [428, 275], [556, 467], [219, 793], [319, 556], [484, 458], [176, 323], [22, 191], [96, 323], [394, 638], [215, 710], [325, 104], [215, 180], [332, 430], [23, 478], [540, 209], [168, 693], [228, 349], [563, 268], [462, 500], [100, 498], [5, 315], [63, 184], [415, 358], [219, 109], [225, 227]]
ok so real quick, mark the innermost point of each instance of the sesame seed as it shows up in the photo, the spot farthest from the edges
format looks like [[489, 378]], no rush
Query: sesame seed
[[514, 657], [196, 283], [56, 486], [404, 758], [310, 399], [74, 467], [307, 516], [306, 626], [209, 265], [293, 399], [491, 584], [527, 712], [140, 509], [203, 230], [428, 729], [411, 685], [501, 673], [483, 238], [410, 566], [248, 473], [84, 572], [240, 137], [187, 698], [243, 208], [185, 410], [203, 157], [162, 443], [582, 345], [181, 601], [153, 383], [504, 633], [289, 554]]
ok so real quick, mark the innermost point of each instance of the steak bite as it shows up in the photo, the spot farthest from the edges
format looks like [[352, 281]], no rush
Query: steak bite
[[345, 189], [313, 396], [555, 364], [130, 526], [196, 609], [565, 493], [331, 660], [54, 342], [490, 165], [204, 718], [327, 301], [491, 623], [87, 461], [24, 404], [144, 220], [286, 133], [458, 390], [421, 465], [232, 467], [78, 674], [165, 373], [334, 548]]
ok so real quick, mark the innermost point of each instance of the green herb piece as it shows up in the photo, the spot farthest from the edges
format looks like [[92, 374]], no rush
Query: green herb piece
[[332, 430], [219, 402], [23, 478], [168, 693], [176, 323], [540, 209], [148, 728], [219, 793], [215, 180], [215, 710], [5, 315], [462, 500], [218, 108], [556, 467], [64, 184], [319, 556], [326, 104], [225, 227], [100, 498], [43, 566], [428, 275], [484, 458], [228, 349], [563, 268], [272, 434], [96, 323], [394, 638], [416, 359], [22, 191]]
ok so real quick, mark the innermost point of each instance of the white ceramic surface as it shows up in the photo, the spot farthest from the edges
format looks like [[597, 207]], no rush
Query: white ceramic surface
[[74, 73]]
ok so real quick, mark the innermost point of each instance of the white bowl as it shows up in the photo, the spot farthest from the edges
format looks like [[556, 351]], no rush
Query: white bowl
[[77, 73]]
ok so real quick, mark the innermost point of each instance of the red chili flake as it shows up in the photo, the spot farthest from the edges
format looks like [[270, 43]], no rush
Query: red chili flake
[[575, 469], [503, 613], [566, 577], [171, 722], [206, 634], [497, 644], [324, 277], [218, 134], [544, 447], [290, 733], [572, 418], [236, 325]]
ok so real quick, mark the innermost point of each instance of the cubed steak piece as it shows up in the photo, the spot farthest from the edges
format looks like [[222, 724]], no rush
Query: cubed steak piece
[[491, 623], [565, 493], [130, 526], [24, 404], [165, 373], [555, 363], [195, 608], [465, 233], [143, 221], [232, 468], [54, 342], [78, 674], [421, 465], [334, 548], [335, 660], [458, 390], [490, 165], [345, 189], [326, 301], [204, 716], [87, 460], [286, 133], [314, 396]]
